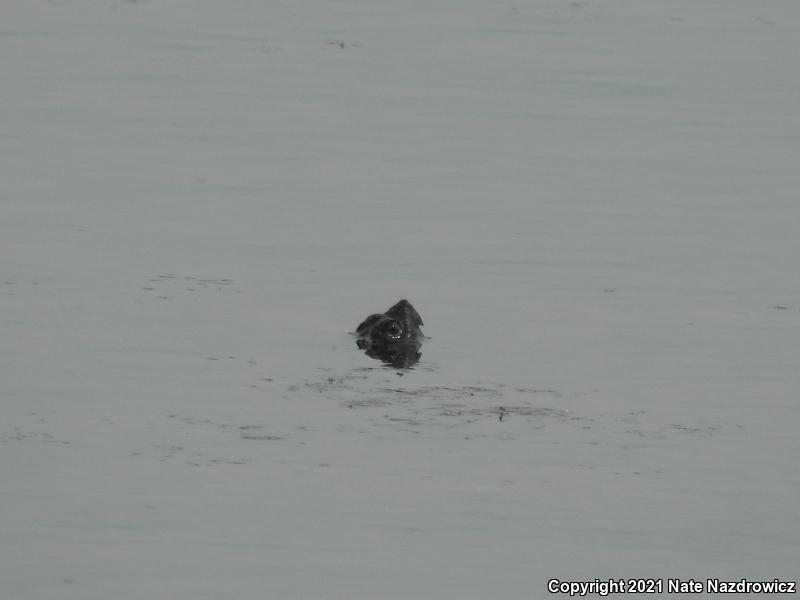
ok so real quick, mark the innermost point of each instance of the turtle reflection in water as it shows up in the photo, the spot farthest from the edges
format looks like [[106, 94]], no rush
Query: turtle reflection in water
[[393, 337]]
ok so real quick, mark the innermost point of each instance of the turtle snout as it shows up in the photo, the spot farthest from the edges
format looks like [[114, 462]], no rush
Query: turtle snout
[[393, 330]]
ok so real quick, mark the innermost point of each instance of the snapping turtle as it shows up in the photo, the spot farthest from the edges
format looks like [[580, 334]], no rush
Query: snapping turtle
[[394, 336]]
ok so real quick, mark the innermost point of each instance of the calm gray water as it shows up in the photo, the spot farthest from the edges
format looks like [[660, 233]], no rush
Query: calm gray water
[[592, 205]]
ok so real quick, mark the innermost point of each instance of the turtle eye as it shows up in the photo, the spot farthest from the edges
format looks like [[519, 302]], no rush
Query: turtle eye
[[394, 329]]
